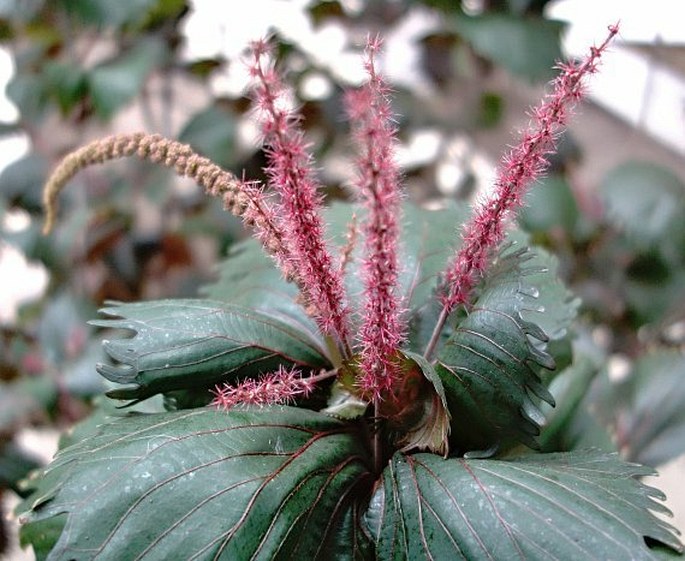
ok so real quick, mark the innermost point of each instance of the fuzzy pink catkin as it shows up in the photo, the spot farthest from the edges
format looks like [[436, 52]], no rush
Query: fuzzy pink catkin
[[520, 167], [291, 175], [378, 186], [279, 387]]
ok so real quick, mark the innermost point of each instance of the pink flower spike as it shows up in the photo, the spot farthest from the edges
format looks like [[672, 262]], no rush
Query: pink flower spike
[[520, 167], [291, 175], [279, 387], [378, 186]]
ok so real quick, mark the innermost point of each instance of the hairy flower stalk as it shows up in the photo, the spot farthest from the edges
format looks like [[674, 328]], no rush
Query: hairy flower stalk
[[378, 186], [291, 175], [520, 168], [243, 199], [279, 387]]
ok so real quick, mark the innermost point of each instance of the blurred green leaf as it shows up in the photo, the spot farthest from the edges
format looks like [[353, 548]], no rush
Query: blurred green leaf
[[646, 201], [549, 206], [80, 375], [108, 12], [9, 128], [67, 83], [528, 47], [568, 388], [43, 535], [491, 109], [25, 400], [21, 182], [645, 411], [15, 465], [115, 83], [63, 331], [653, 290], [211, 132], [20, 11], [30, 93], [165, 10], [519, 6], [584, 430]]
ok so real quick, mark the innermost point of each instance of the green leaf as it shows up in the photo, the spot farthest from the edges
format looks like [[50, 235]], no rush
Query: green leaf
[[271, 483], [15, 464], [547, 301], [646, 202], [568, 388], [653, 287], [519, 6], [422, 257], [422, 253], [42, 536], [525, 46], [428, 239], [67, 83], [8, 128], [21, 182], [550, 206], [191, 344], [25, 400], [116, 82], [584, 430], [108, 13], [490, 365], [581, 506], [63, 332], [645, 411], [249, 277], [20, 11], [211, 132], [29, 92]]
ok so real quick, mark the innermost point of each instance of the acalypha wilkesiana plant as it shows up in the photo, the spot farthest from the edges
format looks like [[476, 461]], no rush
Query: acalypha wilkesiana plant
[[374, 395]]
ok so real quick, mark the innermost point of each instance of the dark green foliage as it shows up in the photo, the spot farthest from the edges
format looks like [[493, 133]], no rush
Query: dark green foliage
[[644, 412], [272, 483], [195, 344], [114, 83], [212, 133], [280, 482], [489, 364], [540, 507], [525, 46]]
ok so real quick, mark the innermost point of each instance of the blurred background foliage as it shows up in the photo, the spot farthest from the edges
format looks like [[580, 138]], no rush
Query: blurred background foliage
[[129, 231]]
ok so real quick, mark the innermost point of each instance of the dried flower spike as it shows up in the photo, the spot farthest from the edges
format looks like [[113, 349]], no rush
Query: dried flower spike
[[378, 186], [241, 198], [520, 167]]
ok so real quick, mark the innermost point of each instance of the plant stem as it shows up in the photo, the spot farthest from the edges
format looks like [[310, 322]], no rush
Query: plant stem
[[377, 437], [435, 336]]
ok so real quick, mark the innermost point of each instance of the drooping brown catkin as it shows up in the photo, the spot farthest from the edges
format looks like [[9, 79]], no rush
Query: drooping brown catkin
[[241, 198]]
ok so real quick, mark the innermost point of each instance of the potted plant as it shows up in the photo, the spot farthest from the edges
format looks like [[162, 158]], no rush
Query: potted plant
[[377, 394]]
